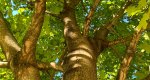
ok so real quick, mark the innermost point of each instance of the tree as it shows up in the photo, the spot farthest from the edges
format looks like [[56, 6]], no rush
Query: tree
[[101, 39]]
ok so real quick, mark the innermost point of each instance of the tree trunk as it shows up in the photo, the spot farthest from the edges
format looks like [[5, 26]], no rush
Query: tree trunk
[[82, 52], [26, 72], [80, 62]]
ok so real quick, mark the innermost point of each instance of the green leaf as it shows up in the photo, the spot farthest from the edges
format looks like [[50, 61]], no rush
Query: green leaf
[[143, 23], [132, 10], [142, 3], [146, 47], [140, 75]]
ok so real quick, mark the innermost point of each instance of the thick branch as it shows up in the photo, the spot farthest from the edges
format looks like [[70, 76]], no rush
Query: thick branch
[[39, 65], [34, 30], [129, 55], [7, 41], [130, 52], [89, 18], [71, 29], [4, 64]]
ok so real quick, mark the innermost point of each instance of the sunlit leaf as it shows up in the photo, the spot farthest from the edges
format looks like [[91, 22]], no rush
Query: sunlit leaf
[[142, 3], [146, 36], [132, 10], [20, 10], [143, 23], [146, 47]]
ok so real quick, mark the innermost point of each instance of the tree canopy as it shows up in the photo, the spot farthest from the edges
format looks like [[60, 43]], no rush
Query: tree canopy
[[128, 22]]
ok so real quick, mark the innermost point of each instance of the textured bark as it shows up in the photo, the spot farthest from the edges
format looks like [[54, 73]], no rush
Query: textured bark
[[25, 71], [8, 43], [82, 52], [21, 60], [130, 52], [80, 60]]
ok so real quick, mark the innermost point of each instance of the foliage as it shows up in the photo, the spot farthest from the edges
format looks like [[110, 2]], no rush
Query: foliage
[[51, 43]]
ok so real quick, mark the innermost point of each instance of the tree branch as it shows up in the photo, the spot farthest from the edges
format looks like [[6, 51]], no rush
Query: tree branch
[[60, 62], [8, 42], [101, 34], [128, 56], [39, 65], [71, 29], [53, 65], [31, 37], [120, 40], [130, 52], [89, 18], [4, 64]]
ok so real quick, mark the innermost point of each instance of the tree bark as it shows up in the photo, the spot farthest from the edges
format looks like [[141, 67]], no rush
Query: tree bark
[[22, 60], [26, 71], [80, 60], [130, 52]]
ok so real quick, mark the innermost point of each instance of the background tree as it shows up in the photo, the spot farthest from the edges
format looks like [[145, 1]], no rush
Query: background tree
[[74, 39]]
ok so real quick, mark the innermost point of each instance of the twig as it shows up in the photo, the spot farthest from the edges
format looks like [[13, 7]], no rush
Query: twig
[[120, 40], [83, 6]]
